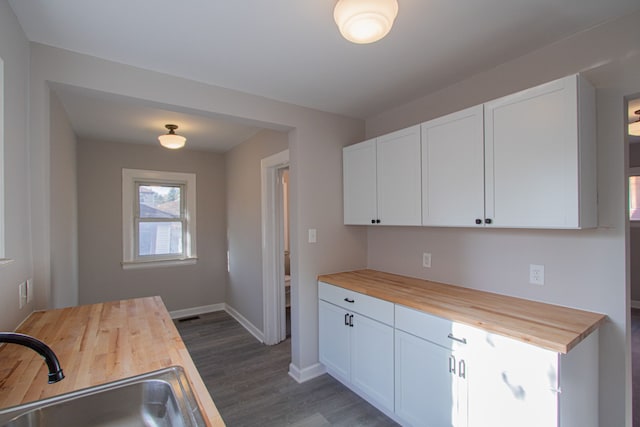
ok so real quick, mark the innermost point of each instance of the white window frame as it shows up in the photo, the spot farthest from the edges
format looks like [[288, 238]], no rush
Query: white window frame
[[130, 180]]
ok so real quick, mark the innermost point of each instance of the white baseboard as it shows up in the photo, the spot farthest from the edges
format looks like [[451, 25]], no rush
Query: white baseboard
[[635, 304], [245, 323], [194, 311], [305, 374]]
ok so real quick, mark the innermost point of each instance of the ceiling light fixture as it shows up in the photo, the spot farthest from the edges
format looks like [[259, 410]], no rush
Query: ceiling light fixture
[[172, 140], [365, 21], [634, 127]]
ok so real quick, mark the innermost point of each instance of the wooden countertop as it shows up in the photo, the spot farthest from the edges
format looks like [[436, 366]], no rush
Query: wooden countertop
[[548, 326], [97, 344]]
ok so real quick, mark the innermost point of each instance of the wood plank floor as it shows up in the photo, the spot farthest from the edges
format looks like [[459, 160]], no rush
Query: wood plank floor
[[250, 385], [635, 365]]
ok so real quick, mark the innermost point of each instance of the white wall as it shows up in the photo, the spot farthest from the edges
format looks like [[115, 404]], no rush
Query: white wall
[[14, 51], [244, 222], [584, 269], [64, 209], [315, 143]]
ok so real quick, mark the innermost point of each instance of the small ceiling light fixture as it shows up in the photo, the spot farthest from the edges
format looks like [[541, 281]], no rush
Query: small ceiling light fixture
[[365, 21], [634, 127], [172, 140]]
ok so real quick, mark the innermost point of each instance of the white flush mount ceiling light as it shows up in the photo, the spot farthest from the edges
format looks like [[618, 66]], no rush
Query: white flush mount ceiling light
[[634, 127], [172, 140], [365, 21]]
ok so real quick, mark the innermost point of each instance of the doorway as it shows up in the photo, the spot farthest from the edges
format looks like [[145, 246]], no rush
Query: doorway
[[633, 243], [275, 247]]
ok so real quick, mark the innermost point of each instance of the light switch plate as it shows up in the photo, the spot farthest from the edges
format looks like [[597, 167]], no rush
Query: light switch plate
[[426, 260], [312, 235]]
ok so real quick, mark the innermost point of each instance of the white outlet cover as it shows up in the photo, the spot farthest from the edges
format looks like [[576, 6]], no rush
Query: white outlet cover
[[312, 235], [29, 290], [22, 294], [536, 274]]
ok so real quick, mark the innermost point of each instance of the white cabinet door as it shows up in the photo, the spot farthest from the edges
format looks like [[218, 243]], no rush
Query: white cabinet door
[[424, 387], [372, 359], [514, 384], [399, 182], [334, 339], [535, 167], [453, 169], [359, 181]]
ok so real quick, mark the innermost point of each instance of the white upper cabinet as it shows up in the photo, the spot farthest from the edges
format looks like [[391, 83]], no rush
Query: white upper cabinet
[[399, 177], [382, 180], [453, 169], [526, 160], [540, 159], [359, 179]]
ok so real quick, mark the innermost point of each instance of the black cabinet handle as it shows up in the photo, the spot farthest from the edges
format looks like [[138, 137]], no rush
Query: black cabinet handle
[[460, 340], [351, 320], [478, 221], [373, 221], [350, 300], [346, 319], [377, 221], [488, 221]]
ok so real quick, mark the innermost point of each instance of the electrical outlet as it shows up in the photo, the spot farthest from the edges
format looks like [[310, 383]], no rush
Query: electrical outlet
[[536, 274], [29, 290], [22, 294], [426, 260]]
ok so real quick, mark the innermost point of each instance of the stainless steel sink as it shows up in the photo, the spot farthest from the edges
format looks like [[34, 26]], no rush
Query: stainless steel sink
[[159, 398]]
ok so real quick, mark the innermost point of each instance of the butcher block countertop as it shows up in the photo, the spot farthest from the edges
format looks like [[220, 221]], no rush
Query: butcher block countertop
[[548, 326], [97, 344]]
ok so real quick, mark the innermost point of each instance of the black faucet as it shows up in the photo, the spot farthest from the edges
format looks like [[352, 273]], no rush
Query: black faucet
[[55, 371]]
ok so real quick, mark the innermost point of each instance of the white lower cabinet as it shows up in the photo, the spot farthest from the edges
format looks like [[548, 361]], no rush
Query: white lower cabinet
[[356, 348], [431, 385], [448, 374], [426, 371]]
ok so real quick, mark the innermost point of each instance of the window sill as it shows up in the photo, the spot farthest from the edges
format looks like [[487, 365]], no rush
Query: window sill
[[5, 261], [134, 265]]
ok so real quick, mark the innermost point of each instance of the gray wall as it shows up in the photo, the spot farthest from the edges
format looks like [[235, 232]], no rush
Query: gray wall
[[315, 143], [584, 269], [14, 51], [64, 209], [244, 222], [100, 226]]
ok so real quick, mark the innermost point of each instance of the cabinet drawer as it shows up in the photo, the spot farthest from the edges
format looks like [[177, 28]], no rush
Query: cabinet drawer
[[433, 328], [374, 308]]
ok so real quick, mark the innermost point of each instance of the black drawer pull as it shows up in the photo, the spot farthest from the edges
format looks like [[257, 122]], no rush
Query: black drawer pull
[[350, 300], [346, 319]]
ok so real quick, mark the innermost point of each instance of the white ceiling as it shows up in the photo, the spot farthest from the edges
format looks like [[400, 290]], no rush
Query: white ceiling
[[292, 51]]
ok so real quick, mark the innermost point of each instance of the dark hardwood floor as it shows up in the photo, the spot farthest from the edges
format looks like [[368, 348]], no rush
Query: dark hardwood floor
[[250, 385], [635, 364]]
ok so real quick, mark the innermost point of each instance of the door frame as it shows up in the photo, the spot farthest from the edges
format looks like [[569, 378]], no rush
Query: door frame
[[273, 307]]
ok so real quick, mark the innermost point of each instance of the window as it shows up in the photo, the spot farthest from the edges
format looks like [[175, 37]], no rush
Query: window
[[158, 217]]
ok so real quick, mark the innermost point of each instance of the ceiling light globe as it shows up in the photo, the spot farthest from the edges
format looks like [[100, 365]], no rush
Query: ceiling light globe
[[172, 141], [365, 21]]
